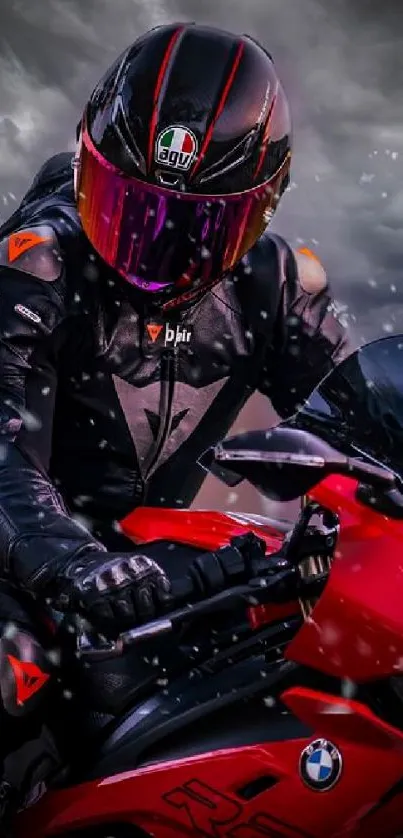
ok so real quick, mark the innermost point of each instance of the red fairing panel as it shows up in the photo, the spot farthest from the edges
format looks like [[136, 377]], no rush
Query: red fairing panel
[[207, 530], [202, 796], [356, 629]]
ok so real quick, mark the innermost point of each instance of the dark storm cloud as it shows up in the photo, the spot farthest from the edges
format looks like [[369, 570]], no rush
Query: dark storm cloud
[[342, 65]]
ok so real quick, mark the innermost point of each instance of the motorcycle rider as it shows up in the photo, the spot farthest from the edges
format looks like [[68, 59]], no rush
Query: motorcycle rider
[[142, 303]]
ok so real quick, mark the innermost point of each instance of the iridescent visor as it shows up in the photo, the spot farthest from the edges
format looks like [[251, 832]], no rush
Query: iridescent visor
[[156, 237]]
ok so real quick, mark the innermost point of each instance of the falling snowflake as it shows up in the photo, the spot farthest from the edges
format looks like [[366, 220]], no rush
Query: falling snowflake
[[30, 421], [366, 177], [348, 688], [340, 312], [54, 656], [330, 634], [232, 497], [364, 649]]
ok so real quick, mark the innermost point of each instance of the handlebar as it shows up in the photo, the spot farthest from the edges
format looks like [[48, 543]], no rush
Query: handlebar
[[255, 592], [247, 574]]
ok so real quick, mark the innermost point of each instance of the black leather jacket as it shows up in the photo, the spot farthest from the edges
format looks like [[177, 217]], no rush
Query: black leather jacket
[[97, 414]]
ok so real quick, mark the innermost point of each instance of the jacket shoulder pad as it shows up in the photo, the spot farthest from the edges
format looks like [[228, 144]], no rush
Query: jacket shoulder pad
[[311, 273], [34, 250]]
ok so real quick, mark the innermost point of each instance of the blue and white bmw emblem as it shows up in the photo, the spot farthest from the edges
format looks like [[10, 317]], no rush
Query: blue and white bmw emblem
[[320, 765]]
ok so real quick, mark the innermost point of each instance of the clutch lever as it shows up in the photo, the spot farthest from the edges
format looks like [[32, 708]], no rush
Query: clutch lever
[[256, 591]]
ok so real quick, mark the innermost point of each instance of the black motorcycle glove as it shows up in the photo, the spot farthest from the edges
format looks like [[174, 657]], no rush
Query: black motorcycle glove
[[113, 591]]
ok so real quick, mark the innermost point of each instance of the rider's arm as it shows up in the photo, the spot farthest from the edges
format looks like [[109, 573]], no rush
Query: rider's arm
[[36, 532], [308, 339]]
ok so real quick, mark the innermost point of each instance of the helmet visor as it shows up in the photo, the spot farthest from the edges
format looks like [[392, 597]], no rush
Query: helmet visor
[[158, 238]]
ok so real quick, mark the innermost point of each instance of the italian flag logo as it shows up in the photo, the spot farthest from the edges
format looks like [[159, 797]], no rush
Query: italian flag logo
[[176, 148]]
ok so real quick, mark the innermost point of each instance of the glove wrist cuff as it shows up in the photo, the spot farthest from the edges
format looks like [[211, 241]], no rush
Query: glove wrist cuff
[[49, 575]]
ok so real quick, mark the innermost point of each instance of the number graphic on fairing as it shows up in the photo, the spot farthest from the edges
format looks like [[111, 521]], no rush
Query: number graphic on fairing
[[211, 813], [207, 808]]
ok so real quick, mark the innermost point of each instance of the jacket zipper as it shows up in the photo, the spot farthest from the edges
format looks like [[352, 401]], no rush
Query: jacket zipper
[[168, 377]]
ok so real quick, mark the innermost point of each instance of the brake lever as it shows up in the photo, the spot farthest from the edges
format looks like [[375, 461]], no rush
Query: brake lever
[[255, 590]]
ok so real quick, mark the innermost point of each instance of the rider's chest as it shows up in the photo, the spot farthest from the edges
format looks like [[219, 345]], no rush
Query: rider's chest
[[153, 381]]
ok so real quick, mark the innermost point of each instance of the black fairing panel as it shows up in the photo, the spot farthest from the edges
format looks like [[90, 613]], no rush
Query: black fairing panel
[[220, 730], [234, 727], [211, 714]]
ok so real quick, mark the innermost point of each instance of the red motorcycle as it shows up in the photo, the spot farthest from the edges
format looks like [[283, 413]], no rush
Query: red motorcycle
[[275, 707]]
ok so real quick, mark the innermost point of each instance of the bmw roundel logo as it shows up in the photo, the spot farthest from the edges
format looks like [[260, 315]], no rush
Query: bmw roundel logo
[[320, 765]]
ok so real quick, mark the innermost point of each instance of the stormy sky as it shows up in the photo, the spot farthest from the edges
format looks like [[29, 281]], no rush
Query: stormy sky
[[342, 65]]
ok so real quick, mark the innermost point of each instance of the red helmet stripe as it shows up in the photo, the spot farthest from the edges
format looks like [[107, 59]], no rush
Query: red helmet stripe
[[158, 87], [219, 108]]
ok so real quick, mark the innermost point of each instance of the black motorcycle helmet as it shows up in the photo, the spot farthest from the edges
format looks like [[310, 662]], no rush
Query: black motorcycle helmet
[[183, 153]]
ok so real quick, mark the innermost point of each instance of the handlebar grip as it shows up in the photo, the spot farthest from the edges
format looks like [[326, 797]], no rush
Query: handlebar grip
[[183, 590], [215, 571], [209, 574]]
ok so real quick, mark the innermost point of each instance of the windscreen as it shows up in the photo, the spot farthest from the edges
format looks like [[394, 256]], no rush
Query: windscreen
[[358, 407]]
